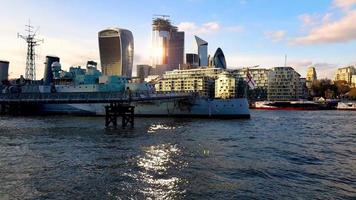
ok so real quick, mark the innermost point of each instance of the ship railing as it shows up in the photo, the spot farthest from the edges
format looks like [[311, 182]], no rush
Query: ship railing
[[89, 96]]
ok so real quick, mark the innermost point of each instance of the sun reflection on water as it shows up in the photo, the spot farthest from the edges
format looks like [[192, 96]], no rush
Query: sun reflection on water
[[157, 172], [155, 127]]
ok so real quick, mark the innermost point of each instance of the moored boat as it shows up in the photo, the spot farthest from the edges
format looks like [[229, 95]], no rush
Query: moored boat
[[346, 106], [287, 105]]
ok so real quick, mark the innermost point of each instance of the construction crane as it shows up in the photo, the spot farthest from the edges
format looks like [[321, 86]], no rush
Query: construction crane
[[161, 16], [32, 42]]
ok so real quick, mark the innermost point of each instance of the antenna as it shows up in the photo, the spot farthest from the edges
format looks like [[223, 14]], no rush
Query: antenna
[[285, 60], [32, 42]]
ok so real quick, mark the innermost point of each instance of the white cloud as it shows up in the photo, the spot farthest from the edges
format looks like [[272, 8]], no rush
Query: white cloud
[[309, 19], [276, 36], [344, 4], [341, 30], [193, 28], [208, 28]]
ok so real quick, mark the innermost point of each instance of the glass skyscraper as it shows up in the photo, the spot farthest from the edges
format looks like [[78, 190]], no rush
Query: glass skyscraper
[[219, 59], [116, 48], [167, 44], [202, 51]]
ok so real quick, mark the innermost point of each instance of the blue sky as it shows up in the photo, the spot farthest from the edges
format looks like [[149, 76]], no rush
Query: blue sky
[[250, 32]]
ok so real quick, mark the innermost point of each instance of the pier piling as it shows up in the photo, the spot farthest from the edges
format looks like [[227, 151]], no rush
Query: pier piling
[[115, 110]]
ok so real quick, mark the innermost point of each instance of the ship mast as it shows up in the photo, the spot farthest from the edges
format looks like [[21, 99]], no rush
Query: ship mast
[[32, 42]]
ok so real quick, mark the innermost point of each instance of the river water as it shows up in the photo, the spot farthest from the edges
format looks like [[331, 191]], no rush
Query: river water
[[274, 155]]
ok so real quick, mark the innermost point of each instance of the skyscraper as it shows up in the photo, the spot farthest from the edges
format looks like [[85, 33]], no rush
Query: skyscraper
[[192, 59], [202, 51], [219, 59], [116, 48], [167, 44]]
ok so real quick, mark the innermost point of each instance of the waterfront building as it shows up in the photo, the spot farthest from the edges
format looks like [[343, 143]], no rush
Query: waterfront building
[[225, 86], [219, 59], [167, 44], [283, 84], [345, 74], [116, 47], [200, 80], [143, 71], [202, 51], [259, 75], [311, 77]]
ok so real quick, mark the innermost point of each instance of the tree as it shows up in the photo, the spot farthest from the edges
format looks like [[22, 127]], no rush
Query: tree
[[323, 88], [342, 87]]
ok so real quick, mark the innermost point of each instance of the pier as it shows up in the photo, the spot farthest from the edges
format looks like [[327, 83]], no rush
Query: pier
[[115, 110], [119, 104]]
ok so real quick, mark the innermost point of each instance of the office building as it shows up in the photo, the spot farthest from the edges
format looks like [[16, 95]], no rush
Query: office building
[[4, 71], [167, 44], [202, 51], [143, 71], [219, 59], [192, 59], [116, 48]]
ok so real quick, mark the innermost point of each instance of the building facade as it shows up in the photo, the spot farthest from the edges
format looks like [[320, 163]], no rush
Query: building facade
[[260, 76], [143, 71], [345, 74], [219, 59], [116, 47], [167, 44], [225, 86], [199, 80], [192, 59], [311, 77], [4, 71], [283, 84], [202, 51]]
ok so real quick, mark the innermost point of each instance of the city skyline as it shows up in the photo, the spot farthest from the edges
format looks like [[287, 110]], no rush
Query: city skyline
[[320, 33]]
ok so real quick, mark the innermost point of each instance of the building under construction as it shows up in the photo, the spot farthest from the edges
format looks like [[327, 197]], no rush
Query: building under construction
[[168, 45]]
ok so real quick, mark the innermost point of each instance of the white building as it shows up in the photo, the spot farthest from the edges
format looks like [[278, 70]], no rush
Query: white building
[[284, 84], [345, 74], [260, 76], [199, 80], [225, 86]]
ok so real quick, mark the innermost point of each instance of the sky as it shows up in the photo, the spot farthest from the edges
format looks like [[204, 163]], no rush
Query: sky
[[321, 33]]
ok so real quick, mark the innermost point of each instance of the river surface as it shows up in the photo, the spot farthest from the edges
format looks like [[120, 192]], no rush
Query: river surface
[[274, 155]]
